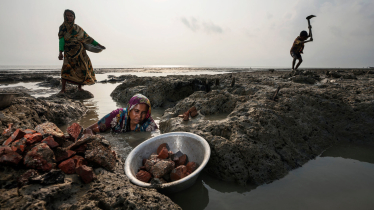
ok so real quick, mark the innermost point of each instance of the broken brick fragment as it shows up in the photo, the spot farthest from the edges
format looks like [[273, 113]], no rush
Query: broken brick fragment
[[19, 146], [143, 176], [191, 167], [161, 147], [8, 156], [79, 160], [50, 142], [86, 173], [164, 153], [67, 166], [75, 131], [182, 160], [18, 134], [40, 157], [62, 154], [33, 138], [193, 111], [178, 173]]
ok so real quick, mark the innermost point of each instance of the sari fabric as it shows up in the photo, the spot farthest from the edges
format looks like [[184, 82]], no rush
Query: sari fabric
[[77, 66], [118, 120]]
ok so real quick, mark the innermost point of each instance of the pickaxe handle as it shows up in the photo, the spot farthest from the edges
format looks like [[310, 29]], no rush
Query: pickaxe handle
[[310, 30]]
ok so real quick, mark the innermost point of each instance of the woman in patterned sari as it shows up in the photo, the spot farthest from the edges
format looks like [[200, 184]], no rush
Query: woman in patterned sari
[[136, 117], [77, 67]]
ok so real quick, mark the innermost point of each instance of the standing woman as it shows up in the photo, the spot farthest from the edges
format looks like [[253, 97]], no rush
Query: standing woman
[[77, 67]]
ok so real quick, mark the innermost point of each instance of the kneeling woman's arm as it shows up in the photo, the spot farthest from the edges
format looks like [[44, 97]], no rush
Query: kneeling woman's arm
[[93, 129]]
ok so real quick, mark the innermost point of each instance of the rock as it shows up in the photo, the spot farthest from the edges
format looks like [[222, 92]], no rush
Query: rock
[[75, 131], [349, 76], [50, 129], [19, 146], [143, 176], [50, 142], [8, 156], [40, 157], [27, 112], [161, 168], [100, 155], [191, 167], [178, 173], [24, 179], [164, 153], [52, 177], [18, 134], [33, 138], [86, 173], [63, 154], [333, 74], [83, 94], [29, 131], [150, 163], [358, 72], [67, 166], [303, 79]]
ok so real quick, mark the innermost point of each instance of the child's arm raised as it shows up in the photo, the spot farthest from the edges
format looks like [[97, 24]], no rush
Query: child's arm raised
[[310, 40]]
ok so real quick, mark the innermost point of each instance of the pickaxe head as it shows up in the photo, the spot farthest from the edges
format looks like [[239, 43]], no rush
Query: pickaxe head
[[310, 17]]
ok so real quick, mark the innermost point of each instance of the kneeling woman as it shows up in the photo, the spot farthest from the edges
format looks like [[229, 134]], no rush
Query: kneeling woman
[[136, 117]]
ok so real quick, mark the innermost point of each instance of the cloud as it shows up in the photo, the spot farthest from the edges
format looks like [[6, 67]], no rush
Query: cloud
[[207, 26]]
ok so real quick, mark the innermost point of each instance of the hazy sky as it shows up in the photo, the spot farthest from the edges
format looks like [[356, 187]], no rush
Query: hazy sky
[[192, 32]]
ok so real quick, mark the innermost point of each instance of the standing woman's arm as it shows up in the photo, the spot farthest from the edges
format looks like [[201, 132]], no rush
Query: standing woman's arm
[[61, 48]]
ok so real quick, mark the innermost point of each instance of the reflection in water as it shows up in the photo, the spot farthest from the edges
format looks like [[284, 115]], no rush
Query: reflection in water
[[363, 153]]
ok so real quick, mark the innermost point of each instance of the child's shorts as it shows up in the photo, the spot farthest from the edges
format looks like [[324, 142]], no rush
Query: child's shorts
[[296, 55]]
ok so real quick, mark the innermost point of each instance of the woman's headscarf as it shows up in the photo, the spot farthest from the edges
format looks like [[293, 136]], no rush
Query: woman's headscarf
[[66, 26], [139, 99]]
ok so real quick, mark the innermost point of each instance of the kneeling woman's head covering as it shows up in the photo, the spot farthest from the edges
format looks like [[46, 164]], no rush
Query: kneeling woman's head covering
[[118, 120], [139, 99]]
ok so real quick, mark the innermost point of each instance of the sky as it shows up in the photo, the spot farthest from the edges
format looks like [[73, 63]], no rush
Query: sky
[[200, 33]]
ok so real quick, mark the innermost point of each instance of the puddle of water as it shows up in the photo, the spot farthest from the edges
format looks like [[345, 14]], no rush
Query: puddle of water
[[334, 180]]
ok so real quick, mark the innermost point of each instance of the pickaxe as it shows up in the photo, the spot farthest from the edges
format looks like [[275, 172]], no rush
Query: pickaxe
[[308, 18]]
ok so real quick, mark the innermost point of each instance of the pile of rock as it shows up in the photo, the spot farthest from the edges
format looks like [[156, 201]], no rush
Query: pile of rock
[[47, 148], [165, 166]]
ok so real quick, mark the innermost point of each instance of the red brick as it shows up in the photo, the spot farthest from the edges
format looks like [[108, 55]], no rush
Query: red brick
[[75, 131], [178, 173], [193, 111], [164, 153], [40, 157], [86, 173], [143, 176], [8, 156], [182, 160], [63, 154], [50, 142], [191, 167], [33, 138], [67, 166], [161, 147], [79, 160], [19, 146], [18, 134]]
